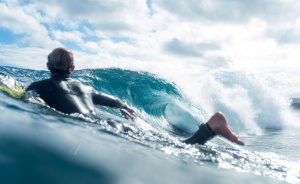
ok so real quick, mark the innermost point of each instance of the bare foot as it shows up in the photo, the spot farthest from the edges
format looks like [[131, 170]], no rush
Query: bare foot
[[220, 126]]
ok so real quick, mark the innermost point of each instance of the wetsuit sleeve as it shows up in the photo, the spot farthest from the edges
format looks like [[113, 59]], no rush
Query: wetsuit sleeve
[[36, 86], [31, 87], [39, 86], [106, 100]]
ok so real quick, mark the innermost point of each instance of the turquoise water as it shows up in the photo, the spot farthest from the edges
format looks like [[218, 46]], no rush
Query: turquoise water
[[41, 145]]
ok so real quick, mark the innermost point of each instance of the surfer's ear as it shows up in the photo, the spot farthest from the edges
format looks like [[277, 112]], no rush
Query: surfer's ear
[[72, 68]]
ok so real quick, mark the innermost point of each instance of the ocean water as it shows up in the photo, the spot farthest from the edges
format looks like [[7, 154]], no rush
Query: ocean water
[[41, 145]]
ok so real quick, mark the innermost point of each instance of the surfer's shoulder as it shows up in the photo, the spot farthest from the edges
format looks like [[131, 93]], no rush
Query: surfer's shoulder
[[38, 84], [77, 86]]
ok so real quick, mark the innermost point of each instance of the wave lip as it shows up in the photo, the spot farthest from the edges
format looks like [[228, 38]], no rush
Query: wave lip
[[180, 118]]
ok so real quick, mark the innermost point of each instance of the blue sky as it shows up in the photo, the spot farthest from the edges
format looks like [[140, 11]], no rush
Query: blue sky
[[253, 35]]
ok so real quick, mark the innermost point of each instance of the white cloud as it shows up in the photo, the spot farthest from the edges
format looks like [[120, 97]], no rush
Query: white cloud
[[29, 57], [182, 48], [74, 36], [229, 11], [15, 19], [113, 17], [285, 33], [252, 34]]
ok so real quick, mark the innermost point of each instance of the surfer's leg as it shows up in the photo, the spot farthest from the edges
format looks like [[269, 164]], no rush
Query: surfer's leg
[[216, 125], [203, 134], [219, 125]]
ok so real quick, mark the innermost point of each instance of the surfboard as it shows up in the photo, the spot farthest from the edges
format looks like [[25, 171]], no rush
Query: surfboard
[[18, 92]]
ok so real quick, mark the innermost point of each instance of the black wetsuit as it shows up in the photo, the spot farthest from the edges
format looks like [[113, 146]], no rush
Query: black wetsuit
[[70, 96], [203, 134]]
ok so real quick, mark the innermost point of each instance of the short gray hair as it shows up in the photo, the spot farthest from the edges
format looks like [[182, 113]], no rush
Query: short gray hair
[[60, 59]]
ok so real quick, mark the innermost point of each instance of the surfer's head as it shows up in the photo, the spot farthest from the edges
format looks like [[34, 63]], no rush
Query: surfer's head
[[61, 61]]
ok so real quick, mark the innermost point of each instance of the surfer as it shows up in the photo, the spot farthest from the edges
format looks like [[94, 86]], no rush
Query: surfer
[[70, 96]]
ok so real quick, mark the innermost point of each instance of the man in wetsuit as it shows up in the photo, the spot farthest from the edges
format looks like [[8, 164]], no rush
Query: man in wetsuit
[[70, 96]]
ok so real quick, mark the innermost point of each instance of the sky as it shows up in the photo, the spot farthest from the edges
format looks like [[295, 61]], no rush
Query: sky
[[254, 35]]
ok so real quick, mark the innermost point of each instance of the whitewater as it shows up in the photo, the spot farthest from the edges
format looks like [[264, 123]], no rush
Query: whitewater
[[41, 145]]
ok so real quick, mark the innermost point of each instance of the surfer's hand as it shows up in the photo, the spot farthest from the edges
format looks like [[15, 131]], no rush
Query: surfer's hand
[[128, 113]]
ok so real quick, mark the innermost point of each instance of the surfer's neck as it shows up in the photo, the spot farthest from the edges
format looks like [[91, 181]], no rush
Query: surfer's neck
[[57, 74]]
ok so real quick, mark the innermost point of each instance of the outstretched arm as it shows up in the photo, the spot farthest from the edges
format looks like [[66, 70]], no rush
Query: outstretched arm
[[110, 101]]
